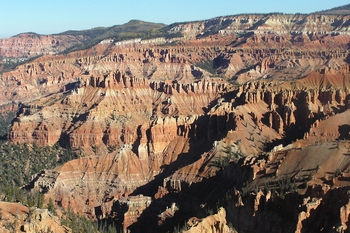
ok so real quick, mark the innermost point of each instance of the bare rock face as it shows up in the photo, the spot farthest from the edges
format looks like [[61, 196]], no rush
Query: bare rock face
[[28, 45], [94, 179], [18, 218], [101, 115], [211, 224], [310, 205]]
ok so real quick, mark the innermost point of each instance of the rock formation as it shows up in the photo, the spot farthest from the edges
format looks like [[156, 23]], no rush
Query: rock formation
[[18, 218], [249, 109], [210, 224]]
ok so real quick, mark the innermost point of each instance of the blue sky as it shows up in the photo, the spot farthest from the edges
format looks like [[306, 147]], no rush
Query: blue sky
[[54, 16]]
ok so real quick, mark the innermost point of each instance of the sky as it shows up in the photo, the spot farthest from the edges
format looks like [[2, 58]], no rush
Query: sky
[[55, 16]]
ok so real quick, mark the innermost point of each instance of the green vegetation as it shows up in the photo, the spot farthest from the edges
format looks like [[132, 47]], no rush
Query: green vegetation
[[12, 193], [51, 206], [282, 187], [337, 172], [19, 162], [341, 10], [286, 185], [229, 156], [180, 228], [5, 123], [207, 65], [8, 66], [213, 26], [17, 165], [84, 225], [78, 223], [131, 30]]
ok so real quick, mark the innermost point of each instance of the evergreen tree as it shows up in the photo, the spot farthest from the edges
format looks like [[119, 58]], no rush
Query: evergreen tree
[[51, 206]]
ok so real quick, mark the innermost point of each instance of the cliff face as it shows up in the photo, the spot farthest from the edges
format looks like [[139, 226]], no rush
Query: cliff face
[[31, 45], [262, 23], [154, 145], [114, 110], [166, 135], [130, 129]]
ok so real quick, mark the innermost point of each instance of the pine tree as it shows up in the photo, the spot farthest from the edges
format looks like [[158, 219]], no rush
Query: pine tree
[[51, 206]]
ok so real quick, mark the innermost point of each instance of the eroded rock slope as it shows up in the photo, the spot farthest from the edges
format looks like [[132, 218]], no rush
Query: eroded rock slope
[[249, 112]]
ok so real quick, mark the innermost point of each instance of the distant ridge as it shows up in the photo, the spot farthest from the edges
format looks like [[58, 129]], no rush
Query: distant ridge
[[133, 28], [341, 10], [27, 33]]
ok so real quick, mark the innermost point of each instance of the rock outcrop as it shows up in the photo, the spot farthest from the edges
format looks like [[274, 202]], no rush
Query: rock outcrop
[[18, 218], [211, 224]]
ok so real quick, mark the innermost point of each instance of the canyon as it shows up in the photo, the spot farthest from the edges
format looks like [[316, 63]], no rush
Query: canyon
[[233, 124]]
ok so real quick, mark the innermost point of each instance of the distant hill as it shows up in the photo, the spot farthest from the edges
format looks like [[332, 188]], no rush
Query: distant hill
[[341, 10], [132, 29]]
